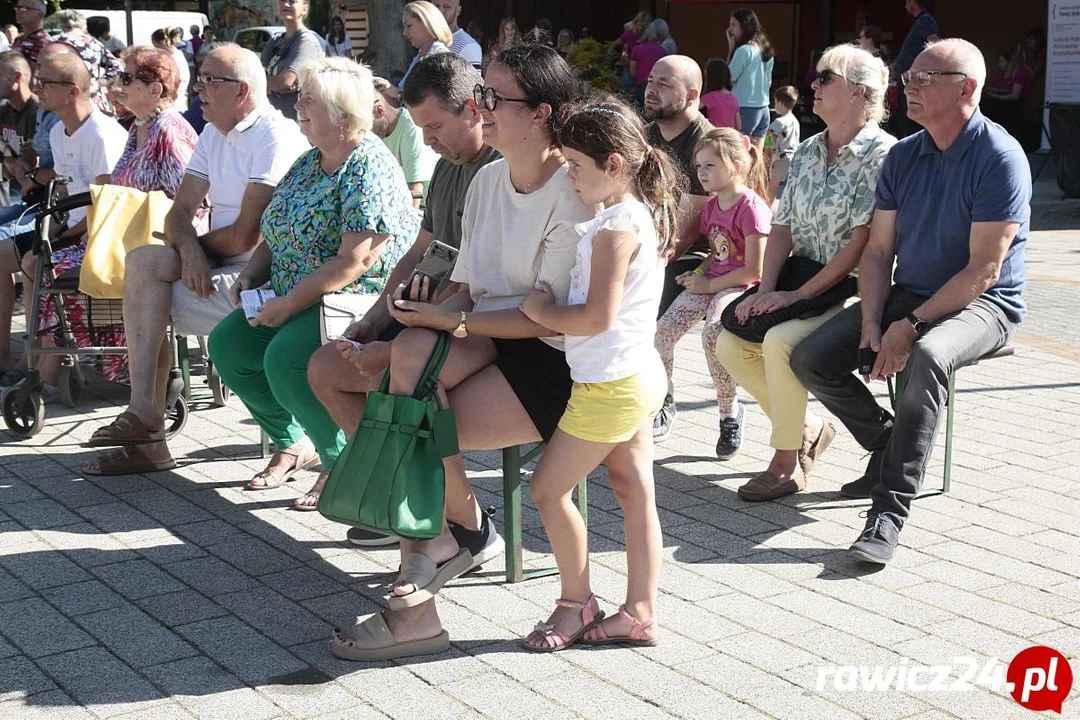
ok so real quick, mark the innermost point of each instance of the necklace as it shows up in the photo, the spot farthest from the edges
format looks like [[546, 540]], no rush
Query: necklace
[[143, 122], [526, 188]]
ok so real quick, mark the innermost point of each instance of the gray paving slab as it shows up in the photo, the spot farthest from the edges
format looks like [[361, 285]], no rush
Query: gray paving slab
[[37, 629]]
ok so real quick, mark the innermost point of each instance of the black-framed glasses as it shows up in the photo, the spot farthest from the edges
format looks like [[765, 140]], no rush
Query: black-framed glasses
[[38, 83], [824, 77], [126, 78], [487, 98], [204, 79], [925, 77]]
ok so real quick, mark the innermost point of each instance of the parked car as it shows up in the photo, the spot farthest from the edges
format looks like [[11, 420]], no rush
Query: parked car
[[254, 38], [145, 22]]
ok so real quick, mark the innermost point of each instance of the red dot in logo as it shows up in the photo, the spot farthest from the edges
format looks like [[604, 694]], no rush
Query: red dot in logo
[[1040, 678]]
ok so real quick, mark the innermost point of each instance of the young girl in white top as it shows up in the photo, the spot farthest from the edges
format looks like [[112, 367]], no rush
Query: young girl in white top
[[619, 382]]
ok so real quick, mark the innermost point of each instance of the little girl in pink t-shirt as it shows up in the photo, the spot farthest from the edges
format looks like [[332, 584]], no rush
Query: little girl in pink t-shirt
[[737, 222], [718, 103]]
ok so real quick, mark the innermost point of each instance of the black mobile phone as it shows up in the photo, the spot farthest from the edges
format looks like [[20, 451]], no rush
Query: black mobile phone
[[437, 262], [867, 358]]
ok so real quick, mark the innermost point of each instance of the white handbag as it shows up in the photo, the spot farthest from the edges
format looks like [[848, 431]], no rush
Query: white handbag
[[340, 310]]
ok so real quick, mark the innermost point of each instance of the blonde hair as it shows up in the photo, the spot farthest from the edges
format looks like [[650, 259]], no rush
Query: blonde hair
[[347, 89], [858, 67], [740, 156], [432, 19]]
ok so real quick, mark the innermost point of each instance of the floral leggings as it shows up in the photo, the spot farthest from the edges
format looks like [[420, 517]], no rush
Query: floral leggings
[[681, 317]]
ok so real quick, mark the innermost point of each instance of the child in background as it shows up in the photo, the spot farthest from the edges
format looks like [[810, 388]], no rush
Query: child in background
[[784, 134], [609, 323], [737, 222], [718, 103]]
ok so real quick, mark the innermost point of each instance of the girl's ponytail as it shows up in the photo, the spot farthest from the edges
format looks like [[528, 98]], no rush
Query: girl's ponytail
[[662, 184], [757, 175]]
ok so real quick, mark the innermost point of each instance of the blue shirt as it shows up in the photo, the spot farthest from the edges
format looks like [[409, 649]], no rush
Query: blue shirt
[[45, 121], [751, 76], [924, 26], [982, 177]]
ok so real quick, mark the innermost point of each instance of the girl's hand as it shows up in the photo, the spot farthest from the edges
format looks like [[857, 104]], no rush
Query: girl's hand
[[681, 279], [535, 302], [771, 302], [275, 312], [416, 314], [696, 284]]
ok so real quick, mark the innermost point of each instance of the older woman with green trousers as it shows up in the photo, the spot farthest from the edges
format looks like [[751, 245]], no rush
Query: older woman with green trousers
[[339, 221]]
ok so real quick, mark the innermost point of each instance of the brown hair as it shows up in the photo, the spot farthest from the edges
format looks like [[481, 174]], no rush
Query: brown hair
[[786, 96], [602, 126], [155, 65], [741, 157]]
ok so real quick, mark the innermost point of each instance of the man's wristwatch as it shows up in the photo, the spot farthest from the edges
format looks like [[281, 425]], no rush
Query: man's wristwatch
[[461, 331], [920, 326]]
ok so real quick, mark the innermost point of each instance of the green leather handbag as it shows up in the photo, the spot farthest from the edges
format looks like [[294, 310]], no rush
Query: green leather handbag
[[390, 477]]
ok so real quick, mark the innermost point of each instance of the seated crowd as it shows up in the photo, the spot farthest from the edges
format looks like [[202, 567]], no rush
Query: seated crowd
[[589, 241]]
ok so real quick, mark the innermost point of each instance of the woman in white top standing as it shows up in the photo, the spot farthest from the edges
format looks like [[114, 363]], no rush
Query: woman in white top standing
[[506, 377], [424, 26], [619, 384], [338, 43]]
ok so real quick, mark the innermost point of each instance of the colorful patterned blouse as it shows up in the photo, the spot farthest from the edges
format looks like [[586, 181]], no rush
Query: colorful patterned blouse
[[159, 164], [311, 210], [101, 63]]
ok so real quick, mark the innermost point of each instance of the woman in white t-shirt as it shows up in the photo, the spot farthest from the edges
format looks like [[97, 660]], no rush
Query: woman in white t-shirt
[[338, 43], [506, 377]]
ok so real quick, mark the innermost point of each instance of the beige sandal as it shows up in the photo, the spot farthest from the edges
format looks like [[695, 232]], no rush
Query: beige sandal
[[421, 572], [270, 481], [372, 641]]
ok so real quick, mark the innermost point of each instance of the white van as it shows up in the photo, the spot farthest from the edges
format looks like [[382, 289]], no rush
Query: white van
[[145, 22]]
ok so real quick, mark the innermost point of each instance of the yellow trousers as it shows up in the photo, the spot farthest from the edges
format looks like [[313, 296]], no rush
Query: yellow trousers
[[763, 370]]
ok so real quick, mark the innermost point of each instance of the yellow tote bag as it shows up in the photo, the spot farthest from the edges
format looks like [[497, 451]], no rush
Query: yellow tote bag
[[120, 220]]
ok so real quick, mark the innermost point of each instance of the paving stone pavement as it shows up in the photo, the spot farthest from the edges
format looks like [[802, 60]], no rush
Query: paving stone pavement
[[178, 595]]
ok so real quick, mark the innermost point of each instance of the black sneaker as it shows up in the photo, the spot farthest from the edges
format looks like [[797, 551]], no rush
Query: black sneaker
[[861, 488], [663, 421], [877, 542], [483, 544], [367, 538], [730, 435]]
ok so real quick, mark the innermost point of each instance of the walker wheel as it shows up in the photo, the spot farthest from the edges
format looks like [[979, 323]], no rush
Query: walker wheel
[[176, 418], [71, 384], [24, 412], [221, 391]]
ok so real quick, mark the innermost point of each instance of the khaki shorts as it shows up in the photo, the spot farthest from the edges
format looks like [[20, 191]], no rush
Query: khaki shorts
[[194, 316]]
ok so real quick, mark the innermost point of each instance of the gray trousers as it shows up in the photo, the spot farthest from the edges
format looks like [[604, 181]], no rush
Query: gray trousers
[[826, 362]]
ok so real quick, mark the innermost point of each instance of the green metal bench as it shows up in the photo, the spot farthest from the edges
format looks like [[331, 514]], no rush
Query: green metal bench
[[513, 460], [895, 393]]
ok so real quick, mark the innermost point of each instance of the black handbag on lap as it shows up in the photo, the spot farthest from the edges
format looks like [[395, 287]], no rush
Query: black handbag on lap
[[797, 272]]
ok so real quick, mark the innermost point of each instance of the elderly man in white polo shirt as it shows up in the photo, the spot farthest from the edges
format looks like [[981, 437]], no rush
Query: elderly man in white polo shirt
[[245, 149]]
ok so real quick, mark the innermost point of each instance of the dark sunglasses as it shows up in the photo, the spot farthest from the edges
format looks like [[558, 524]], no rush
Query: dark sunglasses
[[487, 98], [824, 77], [127, 78]]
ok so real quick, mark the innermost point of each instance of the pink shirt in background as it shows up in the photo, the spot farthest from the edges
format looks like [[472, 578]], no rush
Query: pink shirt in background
[[727, 230], [721, 107], [645, 55], [629, 40]]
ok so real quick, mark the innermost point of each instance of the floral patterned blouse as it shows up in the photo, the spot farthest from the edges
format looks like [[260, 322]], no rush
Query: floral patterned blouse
[[822, 203], [159, 164], [311, 210]]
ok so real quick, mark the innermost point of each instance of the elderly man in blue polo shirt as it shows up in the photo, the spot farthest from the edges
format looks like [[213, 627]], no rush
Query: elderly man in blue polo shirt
[[952, 210]]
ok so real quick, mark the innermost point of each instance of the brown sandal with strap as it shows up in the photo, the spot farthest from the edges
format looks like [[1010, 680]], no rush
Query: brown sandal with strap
[[301, 461], [127, 429], [556, 639], [131, 460]]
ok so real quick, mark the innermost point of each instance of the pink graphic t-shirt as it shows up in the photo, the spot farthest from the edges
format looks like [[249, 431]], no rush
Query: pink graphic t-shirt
[[727, 230]]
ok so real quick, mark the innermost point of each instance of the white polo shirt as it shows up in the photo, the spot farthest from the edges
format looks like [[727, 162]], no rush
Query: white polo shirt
[[260, 149], [93, 149]]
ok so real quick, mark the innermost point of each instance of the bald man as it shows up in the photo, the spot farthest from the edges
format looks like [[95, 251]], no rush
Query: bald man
[[672, 94], [952, 211]]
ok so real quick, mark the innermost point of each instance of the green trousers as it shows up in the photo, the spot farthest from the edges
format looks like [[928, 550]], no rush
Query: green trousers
[[267, 369]]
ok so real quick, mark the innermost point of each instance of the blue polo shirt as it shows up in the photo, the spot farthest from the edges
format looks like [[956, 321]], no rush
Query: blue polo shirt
[[982, 177]]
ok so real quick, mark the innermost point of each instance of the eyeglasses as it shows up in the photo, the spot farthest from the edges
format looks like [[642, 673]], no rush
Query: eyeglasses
[[925, 77], [824, 77], [203, 79], [126, 78], [38, 83], [27, 8], [487, 98]]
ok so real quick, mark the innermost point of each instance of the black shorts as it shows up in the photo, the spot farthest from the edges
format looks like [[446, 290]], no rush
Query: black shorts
[[539, 376], [24, 242]]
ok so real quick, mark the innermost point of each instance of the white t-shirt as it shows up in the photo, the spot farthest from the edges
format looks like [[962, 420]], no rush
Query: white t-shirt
[[512, 241], [626, 348], [92, 150], [185, 79], [465, 45], [260, 149]]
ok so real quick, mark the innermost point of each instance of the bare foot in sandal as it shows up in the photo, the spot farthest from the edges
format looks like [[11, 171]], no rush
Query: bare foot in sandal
[[132, 460], [570, 621], [310, 499], [283, 465], [622, 628]]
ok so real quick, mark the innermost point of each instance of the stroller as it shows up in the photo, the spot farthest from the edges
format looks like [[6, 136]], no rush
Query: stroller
[[22, 404]]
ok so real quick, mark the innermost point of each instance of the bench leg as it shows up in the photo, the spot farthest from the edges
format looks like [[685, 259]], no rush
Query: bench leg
[[264, 443], [951, 400]]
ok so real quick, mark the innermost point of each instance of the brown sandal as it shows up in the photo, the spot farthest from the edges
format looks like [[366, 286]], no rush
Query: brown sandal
[[131, 460], [301, 461], [127, 429]]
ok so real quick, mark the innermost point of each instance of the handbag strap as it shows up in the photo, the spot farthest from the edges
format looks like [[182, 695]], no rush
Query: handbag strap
[[425, 386]]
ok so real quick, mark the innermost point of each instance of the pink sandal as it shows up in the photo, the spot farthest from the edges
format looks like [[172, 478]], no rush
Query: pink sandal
[[591, 615], [636, 637]]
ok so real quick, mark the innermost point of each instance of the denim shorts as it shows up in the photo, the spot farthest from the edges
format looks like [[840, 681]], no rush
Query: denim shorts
[[755, 121]]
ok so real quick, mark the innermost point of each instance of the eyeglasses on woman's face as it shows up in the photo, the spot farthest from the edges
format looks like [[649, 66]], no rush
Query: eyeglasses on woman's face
[[127, 78], [824, 77], [487, 98]]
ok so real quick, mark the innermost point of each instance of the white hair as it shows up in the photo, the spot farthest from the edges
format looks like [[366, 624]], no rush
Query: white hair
[[346, 87], [39, 5], [69, 20], [246, 66], [963, 57], [859, 67]]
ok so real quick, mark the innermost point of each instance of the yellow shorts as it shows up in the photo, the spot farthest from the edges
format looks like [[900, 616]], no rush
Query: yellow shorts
[[613, 412]]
